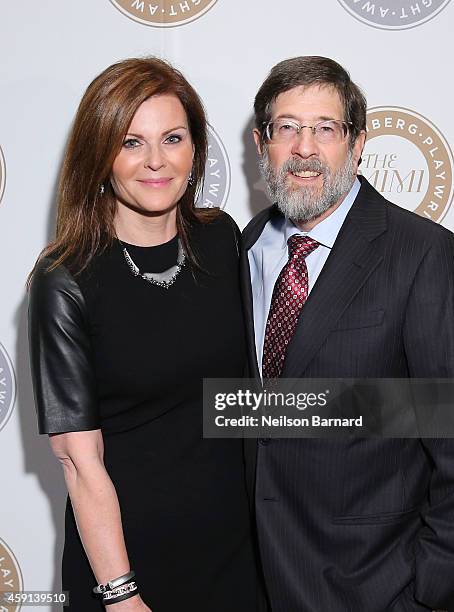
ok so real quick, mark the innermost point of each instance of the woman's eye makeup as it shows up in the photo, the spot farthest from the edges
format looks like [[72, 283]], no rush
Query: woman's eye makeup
[[131, 143], [173, 138]]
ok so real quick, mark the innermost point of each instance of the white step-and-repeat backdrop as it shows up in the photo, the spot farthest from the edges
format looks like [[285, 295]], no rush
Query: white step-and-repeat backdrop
[[399, 51]]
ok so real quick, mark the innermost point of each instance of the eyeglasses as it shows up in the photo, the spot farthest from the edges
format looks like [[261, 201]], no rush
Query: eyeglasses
[[325, 132]]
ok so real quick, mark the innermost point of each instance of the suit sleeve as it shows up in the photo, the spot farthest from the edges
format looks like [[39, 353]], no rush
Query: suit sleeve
[[60, 353], [429, 346]]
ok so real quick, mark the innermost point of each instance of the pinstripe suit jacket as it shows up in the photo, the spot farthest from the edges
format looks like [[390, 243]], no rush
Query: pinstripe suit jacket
[[358, 525]]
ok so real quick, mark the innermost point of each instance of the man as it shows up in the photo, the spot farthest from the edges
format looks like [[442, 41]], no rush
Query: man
[[345, 525]]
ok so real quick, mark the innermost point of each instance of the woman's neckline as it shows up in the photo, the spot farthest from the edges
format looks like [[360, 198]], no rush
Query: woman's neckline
[[153, 246]]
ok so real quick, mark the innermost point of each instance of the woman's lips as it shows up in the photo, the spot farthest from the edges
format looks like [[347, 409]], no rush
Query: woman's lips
[[160, 182]]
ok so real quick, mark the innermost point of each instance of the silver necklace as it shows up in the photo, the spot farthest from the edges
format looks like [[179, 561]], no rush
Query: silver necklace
[[161, 279]]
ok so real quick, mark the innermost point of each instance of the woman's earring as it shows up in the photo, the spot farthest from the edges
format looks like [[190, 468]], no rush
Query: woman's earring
[[101, 189], [191, 179]]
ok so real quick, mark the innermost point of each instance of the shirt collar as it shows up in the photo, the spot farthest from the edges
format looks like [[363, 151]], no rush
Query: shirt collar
[[326, 231]]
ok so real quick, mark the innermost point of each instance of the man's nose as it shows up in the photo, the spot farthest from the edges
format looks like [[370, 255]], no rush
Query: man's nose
[[305, 144]]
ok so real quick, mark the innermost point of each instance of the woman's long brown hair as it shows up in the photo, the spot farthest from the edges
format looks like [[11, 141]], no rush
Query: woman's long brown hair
[[85, 216]]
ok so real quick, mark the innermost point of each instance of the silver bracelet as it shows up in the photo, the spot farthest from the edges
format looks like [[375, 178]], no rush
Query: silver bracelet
[[120, 593], [112, 584]]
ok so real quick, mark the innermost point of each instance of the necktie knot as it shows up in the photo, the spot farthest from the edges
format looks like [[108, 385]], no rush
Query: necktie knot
[[301, 246]]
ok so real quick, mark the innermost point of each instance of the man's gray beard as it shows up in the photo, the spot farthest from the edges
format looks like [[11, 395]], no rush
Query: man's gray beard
[[302, 205]]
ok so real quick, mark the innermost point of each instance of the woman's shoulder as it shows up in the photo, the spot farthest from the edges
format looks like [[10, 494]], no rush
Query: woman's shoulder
[[48, 274], [53, 287], [219, 228]]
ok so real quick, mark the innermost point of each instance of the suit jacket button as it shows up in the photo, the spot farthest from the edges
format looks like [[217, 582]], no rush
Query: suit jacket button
[[265, 441]]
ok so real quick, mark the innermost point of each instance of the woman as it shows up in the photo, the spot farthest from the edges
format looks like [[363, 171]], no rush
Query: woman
[[133, 304]]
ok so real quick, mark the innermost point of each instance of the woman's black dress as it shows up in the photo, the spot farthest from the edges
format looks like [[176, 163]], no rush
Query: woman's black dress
[[143, 351]]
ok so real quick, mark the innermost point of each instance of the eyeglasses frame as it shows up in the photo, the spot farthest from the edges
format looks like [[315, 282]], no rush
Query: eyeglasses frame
[[266, 124]]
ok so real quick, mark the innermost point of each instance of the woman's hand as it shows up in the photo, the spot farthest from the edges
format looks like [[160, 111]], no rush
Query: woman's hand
[[133, 604]]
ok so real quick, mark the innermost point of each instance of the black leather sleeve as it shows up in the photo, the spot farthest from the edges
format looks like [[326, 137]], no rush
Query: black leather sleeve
[[60, 353]]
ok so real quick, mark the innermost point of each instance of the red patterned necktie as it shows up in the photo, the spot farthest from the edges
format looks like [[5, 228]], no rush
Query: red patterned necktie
[[289, 295]]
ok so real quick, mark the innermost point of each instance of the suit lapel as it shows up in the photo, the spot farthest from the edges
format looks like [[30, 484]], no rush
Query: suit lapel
[[353, 258], [246, 291], [250, 237]]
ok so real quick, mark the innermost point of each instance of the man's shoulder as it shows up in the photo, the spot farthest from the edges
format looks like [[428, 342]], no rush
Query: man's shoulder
[[414, 225], [405, 222]]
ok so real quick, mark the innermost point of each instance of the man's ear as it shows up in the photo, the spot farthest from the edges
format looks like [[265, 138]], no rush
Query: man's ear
[[358, 147], [258, 141]]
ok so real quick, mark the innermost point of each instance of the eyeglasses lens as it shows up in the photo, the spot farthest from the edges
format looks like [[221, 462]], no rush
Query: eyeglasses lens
[[282, 130]]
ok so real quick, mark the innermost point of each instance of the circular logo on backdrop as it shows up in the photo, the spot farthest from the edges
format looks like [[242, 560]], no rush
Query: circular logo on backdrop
[[2, 174], [408, 160], [10, 578], [217, 174], [394, 14], [164, 13], [7, 387]]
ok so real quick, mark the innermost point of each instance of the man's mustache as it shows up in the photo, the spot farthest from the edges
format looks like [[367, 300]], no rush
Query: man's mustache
[[294, 164]]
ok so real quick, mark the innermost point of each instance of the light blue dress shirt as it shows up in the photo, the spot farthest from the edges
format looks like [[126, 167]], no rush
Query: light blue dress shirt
[[270, 254]]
